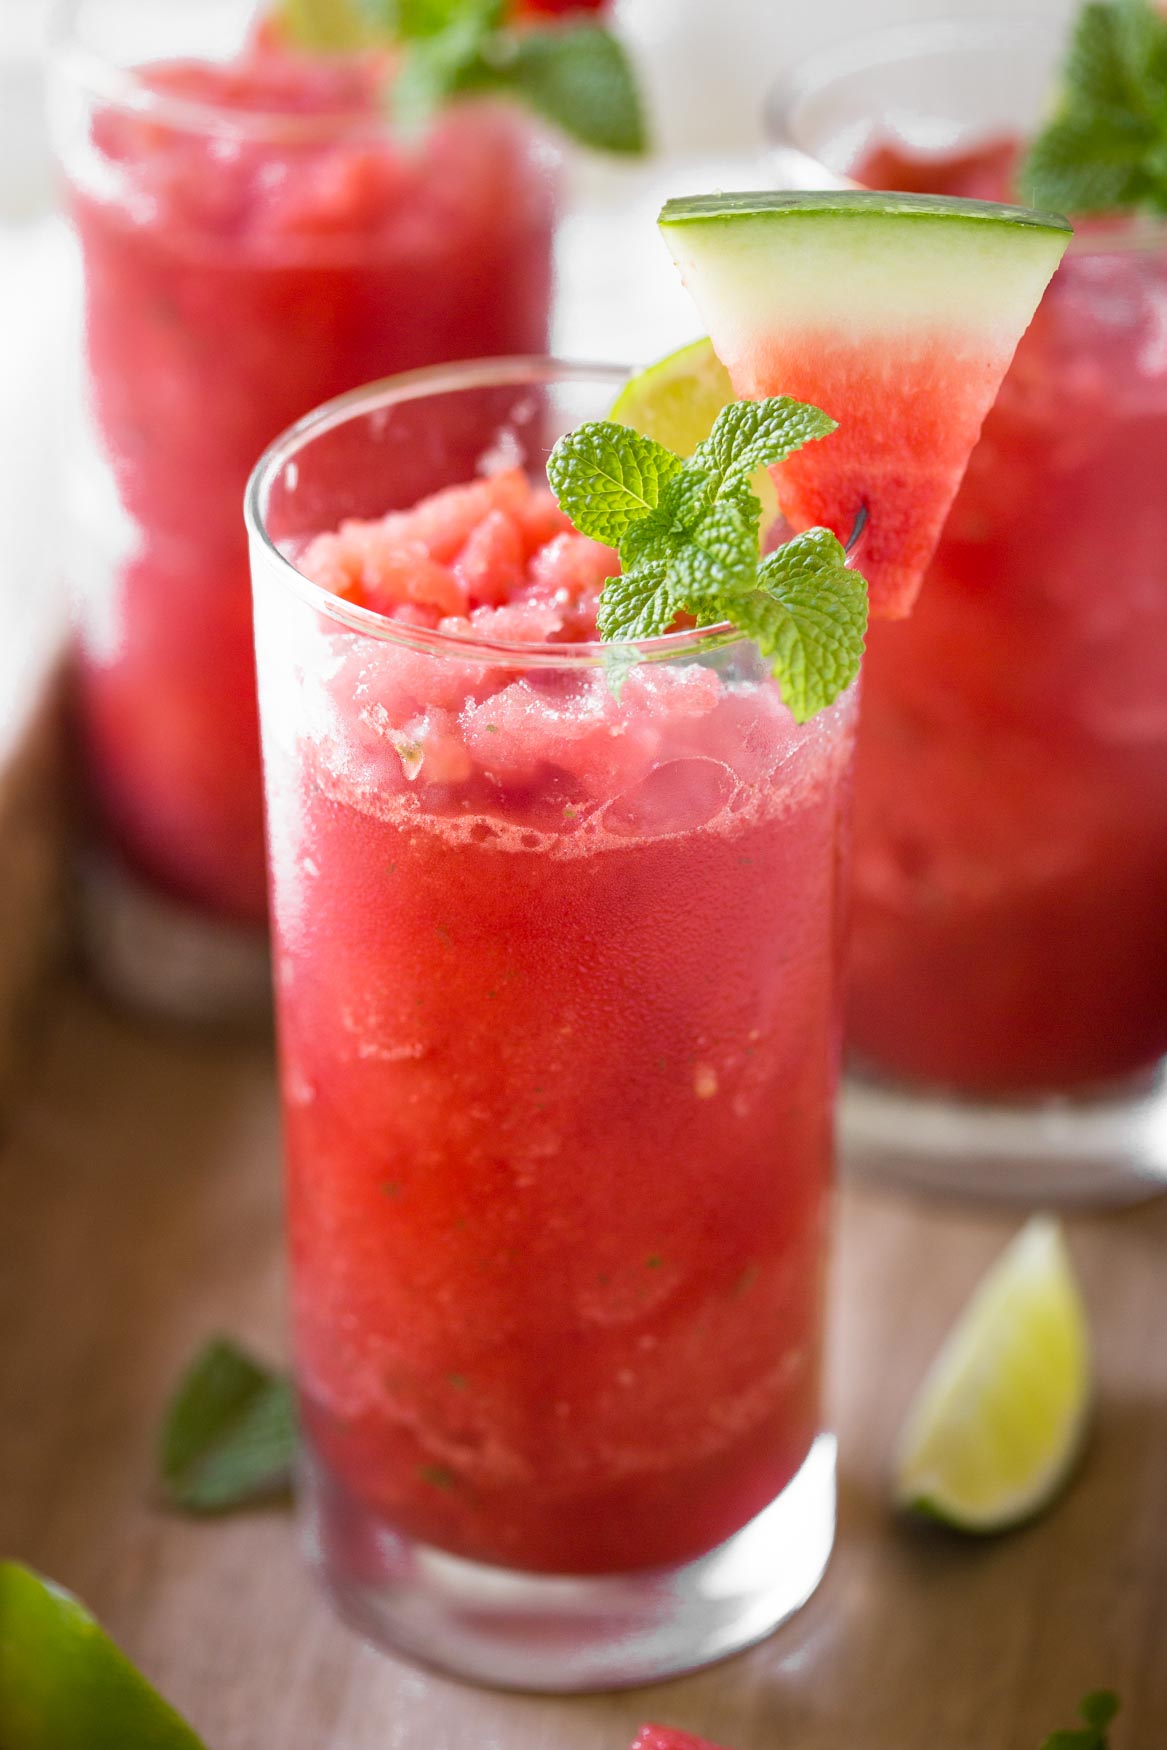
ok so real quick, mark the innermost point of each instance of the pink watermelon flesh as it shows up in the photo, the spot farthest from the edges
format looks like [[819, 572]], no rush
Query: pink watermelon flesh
[[668, 1738], [908, 420]]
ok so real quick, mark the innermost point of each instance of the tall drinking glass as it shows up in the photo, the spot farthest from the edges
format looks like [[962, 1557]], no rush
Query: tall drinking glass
[[1007, 1017], [557, 973], [255, 237]]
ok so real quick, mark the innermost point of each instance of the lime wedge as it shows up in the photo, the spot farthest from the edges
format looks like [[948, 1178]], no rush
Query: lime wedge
[[999, 1421], [676, 402], [64, 1685]]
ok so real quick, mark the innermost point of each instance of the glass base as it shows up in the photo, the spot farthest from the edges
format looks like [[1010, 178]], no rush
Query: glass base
[[1106, 1145], [515, 1630], [156, 956]]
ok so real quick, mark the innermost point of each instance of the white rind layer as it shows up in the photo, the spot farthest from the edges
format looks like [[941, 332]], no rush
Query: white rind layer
[[867, 276]]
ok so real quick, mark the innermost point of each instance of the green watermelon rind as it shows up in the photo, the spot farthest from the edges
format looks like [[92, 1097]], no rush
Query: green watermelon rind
[[854, 203]]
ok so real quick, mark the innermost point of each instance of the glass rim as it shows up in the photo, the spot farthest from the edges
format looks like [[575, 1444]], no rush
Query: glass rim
[[884, 45], [535, 369], [123, 86]]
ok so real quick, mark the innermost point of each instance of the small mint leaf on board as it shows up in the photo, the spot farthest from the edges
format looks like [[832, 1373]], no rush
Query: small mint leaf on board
[[1098, 1710], [748, 435], [1104, 148], [229, 1436], [607, 477], [808, 616], [579, 78]]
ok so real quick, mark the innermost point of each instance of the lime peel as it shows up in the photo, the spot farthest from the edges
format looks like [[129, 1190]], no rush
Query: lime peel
[[999, 1422]]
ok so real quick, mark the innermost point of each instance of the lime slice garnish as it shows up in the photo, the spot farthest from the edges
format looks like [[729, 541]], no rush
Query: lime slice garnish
[[999, 1421], [676, 402], [64, 1685]]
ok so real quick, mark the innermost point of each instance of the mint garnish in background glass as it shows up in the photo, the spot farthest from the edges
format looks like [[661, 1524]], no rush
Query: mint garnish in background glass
[[687, 532], [1104, 148], [572, 72]]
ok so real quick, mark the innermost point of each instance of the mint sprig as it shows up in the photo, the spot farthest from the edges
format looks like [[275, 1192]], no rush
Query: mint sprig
[[1098, 1710], [1104, 148], [574, 73], [687, 532], [229, 1438]]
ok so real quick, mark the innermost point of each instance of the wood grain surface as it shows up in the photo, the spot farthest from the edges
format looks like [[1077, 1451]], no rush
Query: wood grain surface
[[139, 1190]]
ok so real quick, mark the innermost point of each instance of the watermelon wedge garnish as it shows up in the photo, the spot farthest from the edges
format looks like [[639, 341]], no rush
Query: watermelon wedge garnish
[[896, 314], [668, 1738]]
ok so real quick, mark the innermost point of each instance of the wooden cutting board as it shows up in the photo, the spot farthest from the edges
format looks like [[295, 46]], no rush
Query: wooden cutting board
[[140, 1200]]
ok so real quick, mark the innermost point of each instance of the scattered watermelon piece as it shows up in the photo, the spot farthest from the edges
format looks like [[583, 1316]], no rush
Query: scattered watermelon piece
[[896, 314], [668, 1738]]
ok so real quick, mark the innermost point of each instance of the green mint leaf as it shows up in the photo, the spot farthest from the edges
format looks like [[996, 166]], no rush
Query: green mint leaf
[[748, 435], [438, 67], [808, 615], [1093, 163], [687, 534], [229, 1436], [1099, 1709], [717, 561], [1104, 148], [1141, 32], [415, 20], [64, 1685], [578, 77], [619, 661], [326, 26], [707, 547], [1094, 74], [608, 477], [638, 603]]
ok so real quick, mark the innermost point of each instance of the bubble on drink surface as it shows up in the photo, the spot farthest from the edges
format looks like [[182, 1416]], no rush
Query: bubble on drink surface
[[676, 797]]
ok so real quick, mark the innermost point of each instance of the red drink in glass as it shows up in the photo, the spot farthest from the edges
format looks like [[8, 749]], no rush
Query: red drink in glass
[[1011, 812], [1010, 871], [557, 980], [255, 238]]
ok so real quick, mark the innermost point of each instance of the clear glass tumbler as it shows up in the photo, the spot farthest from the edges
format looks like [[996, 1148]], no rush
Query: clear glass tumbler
[[1007, 1010], [557, 975], [255, 238]]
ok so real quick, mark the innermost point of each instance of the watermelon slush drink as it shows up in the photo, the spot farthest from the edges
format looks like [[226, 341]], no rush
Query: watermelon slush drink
[[254, 239], [557, 979], [1011, 811], [1010, 871]]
